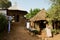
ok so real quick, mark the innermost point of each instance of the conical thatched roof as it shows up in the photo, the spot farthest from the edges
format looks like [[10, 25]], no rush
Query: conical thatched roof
[[39, 16]]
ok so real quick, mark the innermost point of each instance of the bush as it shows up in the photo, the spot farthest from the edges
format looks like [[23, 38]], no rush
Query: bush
[[55, 31], [35, 32], [3, 22]]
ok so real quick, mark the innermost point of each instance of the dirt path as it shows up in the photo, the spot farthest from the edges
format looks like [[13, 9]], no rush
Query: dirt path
[[56, 37], [19, 33]]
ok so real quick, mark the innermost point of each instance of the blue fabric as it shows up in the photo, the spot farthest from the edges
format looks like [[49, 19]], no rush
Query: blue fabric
[[8, 26]]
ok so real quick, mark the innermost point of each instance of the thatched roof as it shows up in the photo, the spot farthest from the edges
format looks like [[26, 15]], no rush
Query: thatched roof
[[39, 16]]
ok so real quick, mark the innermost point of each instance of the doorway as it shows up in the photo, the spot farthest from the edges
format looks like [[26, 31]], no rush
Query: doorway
[[42, 25], [17, 18]]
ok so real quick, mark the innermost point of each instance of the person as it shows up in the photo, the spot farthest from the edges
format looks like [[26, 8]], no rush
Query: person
[[48, 31], [9, 20]]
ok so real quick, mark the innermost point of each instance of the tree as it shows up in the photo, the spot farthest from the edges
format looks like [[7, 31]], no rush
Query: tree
[[3, 22], [4, 4], [32, 13], [55, 1], [54, 10]]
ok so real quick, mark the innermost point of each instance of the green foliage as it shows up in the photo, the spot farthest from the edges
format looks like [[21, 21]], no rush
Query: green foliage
[[55, 31], [55, 1], [3, 22], [54, 11], [4, 4], [35, 32], [32, 13]]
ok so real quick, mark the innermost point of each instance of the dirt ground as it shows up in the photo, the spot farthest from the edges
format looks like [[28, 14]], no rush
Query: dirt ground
[[20, 33], [56, 37]]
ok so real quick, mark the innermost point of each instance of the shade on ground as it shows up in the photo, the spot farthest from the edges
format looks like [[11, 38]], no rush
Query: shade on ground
[[19, 33]]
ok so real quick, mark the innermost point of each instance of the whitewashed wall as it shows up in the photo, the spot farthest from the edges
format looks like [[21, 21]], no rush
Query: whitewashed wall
[[4, 12]]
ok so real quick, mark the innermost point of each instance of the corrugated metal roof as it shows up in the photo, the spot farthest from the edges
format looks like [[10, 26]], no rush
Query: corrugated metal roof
[[15, 7]]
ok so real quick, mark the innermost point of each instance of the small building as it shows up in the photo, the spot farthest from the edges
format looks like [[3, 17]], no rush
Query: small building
[[39, 20], [15, 16], [18, 15]]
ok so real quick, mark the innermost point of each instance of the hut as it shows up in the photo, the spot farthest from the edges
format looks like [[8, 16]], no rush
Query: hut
[[18, 15], [39, 20]]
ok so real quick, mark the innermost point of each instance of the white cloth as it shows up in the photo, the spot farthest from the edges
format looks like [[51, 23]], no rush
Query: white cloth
[[48, 31], [10, 18], [28, 25]]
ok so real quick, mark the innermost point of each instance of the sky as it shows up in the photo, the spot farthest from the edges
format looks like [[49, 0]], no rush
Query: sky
[[28, 4]]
